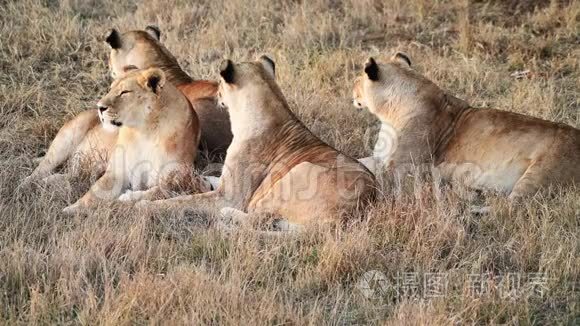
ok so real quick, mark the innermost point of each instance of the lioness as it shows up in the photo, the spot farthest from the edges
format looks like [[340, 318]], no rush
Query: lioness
[[481, 148], [157, 142], [143, 49], [275, 165]]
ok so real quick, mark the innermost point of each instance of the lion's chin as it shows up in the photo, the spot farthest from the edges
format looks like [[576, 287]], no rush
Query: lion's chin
[[109, 127]]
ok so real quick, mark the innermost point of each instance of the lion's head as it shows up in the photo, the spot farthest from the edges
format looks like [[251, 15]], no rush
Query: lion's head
[[132, 98], [247, 81], [246, 78], [393, 83], [250, 93], [141, 49]]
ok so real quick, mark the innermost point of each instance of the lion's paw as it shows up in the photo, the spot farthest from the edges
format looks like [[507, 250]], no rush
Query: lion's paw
[[72, 209], [127, 196]]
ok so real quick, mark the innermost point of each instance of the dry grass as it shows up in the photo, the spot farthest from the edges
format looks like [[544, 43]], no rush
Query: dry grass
[[115, 267]]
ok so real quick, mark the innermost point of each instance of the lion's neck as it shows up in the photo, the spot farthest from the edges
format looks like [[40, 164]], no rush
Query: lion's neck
[[253, 119], [159, 56], [171, 113], [452, 110], [402, 115], [423, 132], [175, 74]]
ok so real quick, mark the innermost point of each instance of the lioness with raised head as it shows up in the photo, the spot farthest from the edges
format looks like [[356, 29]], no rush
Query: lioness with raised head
[[157, 142], [481, 148], [275, 165], [143, 49], [89, 143]]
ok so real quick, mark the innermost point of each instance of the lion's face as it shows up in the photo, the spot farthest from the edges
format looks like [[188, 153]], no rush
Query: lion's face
[[132, 98], [385, 82], [134, 48]]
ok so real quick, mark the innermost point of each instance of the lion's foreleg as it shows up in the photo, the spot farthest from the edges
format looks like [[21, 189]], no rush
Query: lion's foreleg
[[108, 187], [153, 193]]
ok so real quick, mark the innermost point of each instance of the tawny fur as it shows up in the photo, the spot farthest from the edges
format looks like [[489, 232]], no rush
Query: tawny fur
[[481, 148], [156, 145], [82, 143], [143, 50], [85, 144], [275, 165]]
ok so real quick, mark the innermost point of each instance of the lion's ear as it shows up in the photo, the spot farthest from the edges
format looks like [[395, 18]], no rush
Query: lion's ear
[[402, 58], [372, 69], [268, 65], [227, 71], [154, 31], [153, 79], [113, 38]]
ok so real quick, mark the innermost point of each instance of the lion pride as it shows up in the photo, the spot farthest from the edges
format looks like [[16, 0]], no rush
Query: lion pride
[[86, 141]]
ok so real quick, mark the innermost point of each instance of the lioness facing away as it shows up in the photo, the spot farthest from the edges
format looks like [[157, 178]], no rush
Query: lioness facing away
[[481, 148], [275, 164], [157, 142]]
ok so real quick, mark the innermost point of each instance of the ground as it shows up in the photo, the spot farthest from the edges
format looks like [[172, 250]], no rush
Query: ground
[[428, 259]]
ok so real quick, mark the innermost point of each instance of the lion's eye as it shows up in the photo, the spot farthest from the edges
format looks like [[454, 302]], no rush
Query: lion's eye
[[125, 92]]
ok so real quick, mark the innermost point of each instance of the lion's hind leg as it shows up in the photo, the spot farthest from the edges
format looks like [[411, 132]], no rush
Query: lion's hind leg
[[304, 194], [64, 144], [531, 181]]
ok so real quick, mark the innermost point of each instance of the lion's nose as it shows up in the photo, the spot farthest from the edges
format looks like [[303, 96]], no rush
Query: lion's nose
[[102, 108]]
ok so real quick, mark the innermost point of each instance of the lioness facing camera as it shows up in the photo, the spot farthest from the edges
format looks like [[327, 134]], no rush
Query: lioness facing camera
[[481, 148], [275, 164], [157, 142]]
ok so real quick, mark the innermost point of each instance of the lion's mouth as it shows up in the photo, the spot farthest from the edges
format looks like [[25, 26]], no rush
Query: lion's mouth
[[107, 119]]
